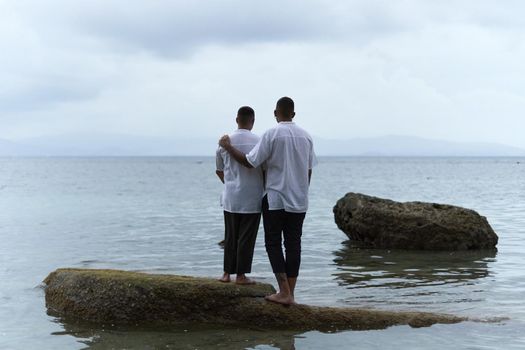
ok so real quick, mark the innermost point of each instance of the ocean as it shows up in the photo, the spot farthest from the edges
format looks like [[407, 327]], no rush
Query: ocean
[[162, 215]]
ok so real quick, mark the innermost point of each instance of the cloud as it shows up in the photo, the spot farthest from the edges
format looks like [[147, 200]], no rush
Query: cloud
[[177, 28], [446, 69]]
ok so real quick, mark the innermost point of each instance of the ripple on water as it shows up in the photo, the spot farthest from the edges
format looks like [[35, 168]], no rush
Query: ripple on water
[[431, 277], [161, 215]]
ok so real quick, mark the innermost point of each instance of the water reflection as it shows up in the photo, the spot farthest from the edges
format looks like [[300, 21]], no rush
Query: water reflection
[[183, 337], [394, 277]]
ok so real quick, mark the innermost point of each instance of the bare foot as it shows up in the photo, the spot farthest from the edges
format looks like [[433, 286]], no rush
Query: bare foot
[[280, 298], [225, 278], [244, 280]]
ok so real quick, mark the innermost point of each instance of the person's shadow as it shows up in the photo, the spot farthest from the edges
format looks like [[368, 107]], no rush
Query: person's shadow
[[406, 277]]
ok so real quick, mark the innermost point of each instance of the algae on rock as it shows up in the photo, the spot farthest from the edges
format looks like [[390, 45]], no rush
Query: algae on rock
[[132, 298]]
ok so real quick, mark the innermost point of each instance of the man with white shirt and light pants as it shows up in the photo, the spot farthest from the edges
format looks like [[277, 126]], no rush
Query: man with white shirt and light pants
[[288, 154], [241, 201]]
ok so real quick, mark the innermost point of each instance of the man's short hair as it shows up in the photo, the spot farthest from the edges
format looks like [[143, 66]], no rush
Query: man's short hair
[[286, 105], [246, 114]]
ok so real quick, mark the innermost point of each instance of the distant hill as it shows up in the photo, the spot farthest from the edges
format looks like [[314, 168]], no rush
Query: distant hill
[[412, 146], [126, 145]]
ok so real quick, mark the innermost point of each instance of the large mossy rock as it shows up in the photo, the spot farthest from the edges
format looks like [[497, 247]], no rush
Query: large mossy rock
[[383, 223], [132, 298]]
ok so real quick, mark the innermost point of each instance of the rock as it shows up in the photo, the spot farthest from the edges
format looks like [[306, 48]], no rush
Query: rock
[[383, 223], [131, 298]]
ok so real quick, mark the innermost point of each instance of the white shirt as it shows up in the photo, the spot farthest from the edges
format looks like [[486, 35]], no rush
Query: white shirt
[[289, 153], [243, 187]]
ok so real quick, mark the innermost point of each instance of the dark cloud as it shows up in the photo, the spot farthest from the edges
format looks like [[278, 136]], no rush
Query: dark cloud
[[176, 28]]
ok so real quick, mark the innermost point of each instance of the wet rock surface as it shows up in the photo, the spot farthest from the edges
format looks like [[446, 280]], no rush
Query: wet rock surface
[[383, 223], [131, 298]]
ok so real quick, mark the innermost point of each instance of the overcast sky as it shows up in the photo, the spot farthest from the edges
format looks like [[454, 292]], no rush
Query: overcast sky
[[450, 70]]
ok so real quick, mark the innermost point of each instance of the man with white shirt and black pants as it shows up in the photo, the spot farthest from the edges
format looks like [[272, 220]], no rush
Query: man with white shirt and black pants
[[288, 155], [241, 200]]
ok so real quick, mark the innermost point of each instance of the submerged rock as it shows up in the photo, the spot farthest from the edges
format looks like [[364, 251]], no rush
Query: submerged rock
[[383, 223], [132, 298]]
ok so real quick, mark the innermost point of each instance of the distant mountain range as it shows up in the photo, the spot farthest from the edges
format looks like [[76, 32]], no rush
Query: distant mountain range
[[125, 145], [393, 145]]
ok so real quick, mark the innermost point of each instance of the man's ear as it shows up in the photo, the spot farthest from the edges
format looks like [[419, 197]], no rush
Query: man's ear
[[237, 120], [293, 115]]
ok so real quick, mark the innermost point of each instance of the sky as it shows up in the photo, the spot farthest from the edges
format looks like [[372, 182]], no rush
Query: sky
[[450, 70]]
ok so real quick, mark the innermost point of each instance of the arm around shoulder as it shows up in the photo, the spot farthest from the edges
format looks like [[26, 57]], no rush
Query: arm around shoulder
[[238, 156]]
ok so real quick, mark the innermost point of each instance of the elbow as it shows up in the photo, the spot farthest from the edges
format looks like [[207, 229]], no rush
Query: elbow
[[246, 163]]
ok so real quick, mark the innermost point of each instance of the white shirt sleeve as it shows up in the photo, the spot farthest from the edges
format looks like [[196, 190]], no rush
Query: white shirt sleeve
[[261, 152], [312, 159], [218, 160]]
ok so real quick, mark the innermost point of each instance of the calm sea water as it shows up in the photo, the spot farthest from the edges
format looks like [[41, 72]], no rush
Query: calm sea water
[[161, 215]]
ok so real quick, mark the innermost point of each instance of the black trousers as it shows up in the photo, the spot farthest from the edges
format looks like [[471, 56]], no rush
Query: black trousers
[[239, 241], [279, 224]]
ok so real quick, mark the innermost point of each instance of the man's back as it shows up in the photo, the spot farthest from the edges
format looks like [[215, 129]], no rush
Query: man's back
[[243, 187], [288, 152]]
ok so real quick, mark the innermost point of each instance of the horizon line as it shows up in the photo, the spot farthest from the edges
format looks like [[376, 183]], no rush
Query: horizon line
[[212, 156]]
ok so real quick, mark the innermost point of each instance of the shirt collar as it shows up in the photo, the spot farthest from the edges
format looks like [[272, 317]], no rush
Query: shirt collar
[[242, 130]]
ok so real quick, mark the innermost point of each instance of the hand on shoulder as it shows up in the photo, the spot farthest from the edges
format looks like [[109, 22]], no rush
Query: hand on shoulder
[[224, 141]]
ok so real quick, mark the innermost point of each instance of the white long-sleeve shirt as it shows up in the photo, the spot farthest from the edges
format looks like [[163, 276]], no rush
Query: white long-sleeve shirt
[[243, 187]]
